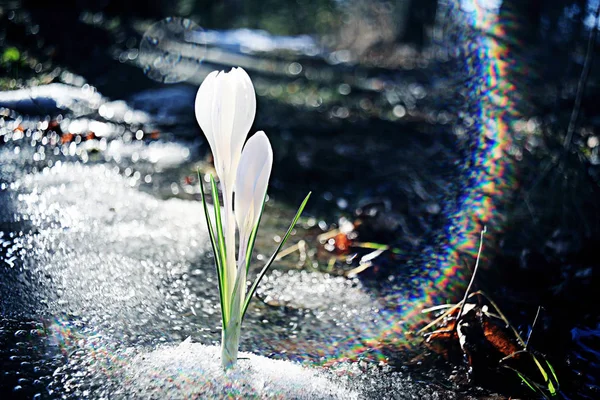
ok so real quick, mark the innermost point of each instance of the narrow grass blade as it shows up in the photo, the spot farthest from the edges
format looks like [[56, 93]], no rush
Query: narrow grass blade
[[549, 382], [268, 264], [211, 231], [371, 245], [376, 246], [530, 384], [540, 368], [554, 376], [213, 242], [526, 381], [222, 251]]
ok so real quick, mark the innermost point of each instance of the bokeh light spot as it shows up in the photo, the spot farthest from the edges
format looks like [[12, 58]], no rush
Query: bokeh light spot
[[172, 50]]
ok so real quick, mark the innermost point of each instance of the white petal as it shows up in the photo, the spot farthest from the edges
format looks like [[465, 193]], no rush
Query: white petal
[[225, 110], [203, 107], [245, 111], [252, 179]]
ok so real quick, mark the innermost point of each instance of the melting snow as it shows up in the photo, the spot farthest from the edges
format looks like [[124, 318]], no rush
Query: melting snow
[[193, 370]]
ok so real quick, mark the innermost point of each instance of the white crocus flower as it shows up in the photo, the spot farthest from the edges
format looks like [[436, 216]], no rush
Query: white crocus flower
[[225, 109]]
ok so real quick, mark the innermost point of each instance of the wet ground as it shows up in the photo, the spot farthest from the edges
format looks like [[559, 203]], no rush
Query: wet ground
[[97, 270]]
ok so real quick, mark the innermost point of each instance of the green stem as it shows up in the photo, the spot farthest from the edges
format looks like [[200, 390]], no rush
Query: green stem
[[230, 342], [242, 271], [222, 257], [230, 268], [230, 338]]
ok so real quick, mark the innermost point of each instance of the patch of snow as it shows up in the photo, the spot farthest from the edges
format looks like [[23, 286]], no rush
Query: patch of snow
[[57, 98], [254, 41], [52, 98], [161, 154], [312, 290], [193, 370]]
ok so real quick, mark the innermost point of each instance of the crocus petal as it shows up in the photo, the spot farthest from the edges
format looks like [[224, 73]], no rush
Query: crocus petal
[[225, 109], [252, 179], [203, 107], [245, 111]]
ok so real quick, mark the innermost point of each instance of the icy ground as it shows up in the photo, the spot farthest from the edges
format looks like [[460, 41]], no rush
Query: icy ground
[[101, 282], [178, 370]]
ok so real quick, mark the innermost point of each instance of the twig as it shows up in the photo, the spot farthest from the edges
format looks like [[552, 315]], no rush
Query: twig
[[450, 310], [441, 317], [289, 250], [462, 306], [436, 308], [355, 271], [537, 314], [328, 235]]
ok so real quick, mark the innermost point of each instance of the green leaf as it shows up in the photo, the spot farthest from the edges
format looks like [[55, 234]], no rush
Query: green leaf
[[530, 384], [374, 246], [549, 384], [222, 251], [268, 264], [549, 376], [551, 370], [213, 242], [540, 368], [551, 379]]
